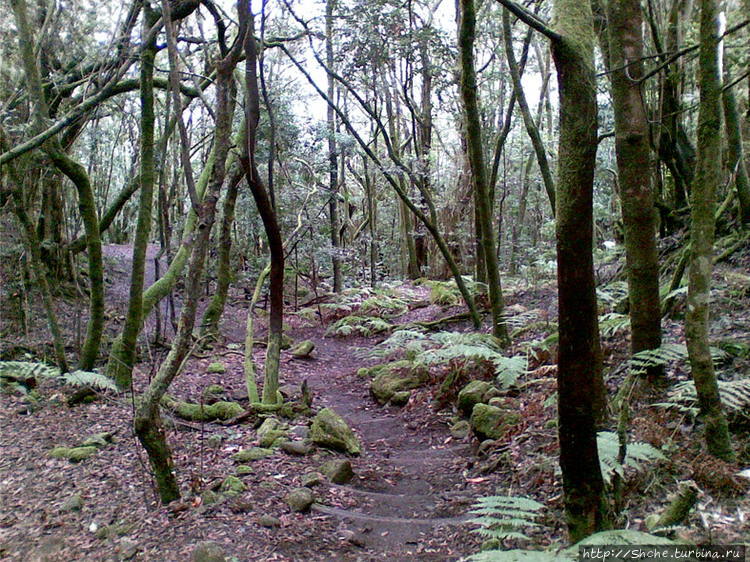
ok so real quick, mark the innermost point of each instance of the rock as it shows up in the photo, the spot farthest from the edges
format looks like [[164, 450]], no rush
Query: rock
[[270, 432], [216, 367], [273, 439], [212, 393], [471, 394], [208, 551], [301, 431], [214, 441], [338, 471], [300, 499], [302, 350], [252, 454], [73, 503], [496, 401], [232, 486], [244, 469], [269, 521], [296, 447], [98, 440], [203, 412], [73, 454], [127, 549], [209, 497], [490, 422], [460, 429], [330, 430], [393, 381], [312, 479]]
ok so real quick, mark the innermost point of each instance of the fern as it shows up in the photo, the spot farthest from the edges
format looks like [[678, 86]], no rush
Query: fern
[[410, 342], [28, 370], [734, 395], [612, 323], [358, 325], [668, 352], [384, 305], [639, 455], [613, 293], [505, 517]]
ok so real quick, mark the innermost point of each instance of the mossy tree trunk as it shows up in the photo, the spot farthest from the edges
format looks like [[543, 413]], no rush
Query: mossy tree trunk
[[707, 179], [147, 422], [581, 392], [333, 203], [735, 149], [267, 214], [76, 173], [625, 58], [468, 88], [121, 368]]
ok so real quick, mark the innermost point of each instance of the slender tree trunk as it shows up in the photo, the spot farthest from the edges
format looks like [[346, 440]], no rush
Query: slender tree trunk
[[735, 149], [633, 164], [581, 392], [707, 179], [268, 216], [333, 203], [478, 170], [121, 369]]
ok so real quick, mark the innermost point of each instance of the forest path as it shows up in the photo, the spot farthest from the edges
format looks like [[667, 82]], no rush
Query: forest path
[[409, 477]]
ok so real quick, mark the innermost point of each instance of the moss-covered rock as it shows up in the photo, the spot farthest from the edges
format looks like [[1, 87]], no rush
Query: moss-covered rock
[[273, 439], [98, 440], [252, 454], [300, 499], [213, 393], [299, 448], [73, 503], [244, 470], [232, 486], [203, 412], [269, 521], [460, 429], [209, 497], [472, 394], [338, 471], [396, 380], [328, 429], [490, 422], [208, 552], [216, 367], [73, 454], [312, 479], [303, 349]]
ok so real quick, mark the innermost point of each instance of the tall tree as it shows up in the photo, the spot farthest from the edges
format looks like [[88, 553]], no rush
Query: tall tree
[[625, 58], [468, 87], [333, 201], [702, 231], [581, 392]]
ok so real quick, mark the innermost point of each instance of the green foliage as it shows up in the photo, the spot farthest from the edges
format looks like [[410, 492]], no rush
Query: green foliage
[[21, 370], [505, 517], [384, 305], [456, 348], [446, 293], [611, 294], [613, 323], [668, 352], [358, 325], [639, 455], [734, 395]]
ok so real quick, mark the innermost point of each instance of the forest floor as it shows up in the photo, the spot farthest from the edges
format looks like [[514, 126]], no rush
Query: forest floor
[[414, 481]]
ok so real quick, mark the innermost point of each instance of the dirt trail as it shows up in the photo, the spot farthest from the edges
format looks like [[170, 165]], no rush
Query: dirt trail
[[410, 474]]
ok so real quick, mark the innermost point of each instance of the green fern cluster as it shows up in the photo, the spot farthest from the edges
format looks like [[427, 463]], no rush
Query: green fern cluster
[[665, 354], [613, 323], [735, 397], [358, 325], [24, 370], [446, 293], [505, 517], [384, 305], [639, 455], [459, 349]]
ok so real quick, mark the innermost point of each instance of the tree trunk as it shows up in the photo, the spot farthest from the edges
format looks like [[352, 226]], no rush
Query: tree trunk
[[707, 179], [735, 150], [121, 369], [581, 393], [468, 89], [633, 164], [333, 203]]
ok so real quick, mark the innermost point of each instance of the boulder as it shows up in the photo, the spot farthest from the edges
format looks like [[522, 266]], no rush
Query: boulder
[[460, 429], [300, 499], [303, 349], [300, 448], [271, 433], [203, 412], [312, 479], [232, 486], [491, 422], [472, 394], [73, 503], [244, 469], [98, 440], [330, 430], [269, 521], [208, 551], [212, 393], [252, 454], [73, 454], [216, 367], [394, 381], [338, 471]]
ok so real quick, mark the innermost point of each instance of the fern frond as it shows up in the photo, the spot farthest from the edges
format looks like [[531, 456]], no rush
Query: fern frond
[[734, 395], [668, 352], [27, 370], [410, 341], [361, 325], [89, 378], [503, 517], [612, 323], [639, 454]]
